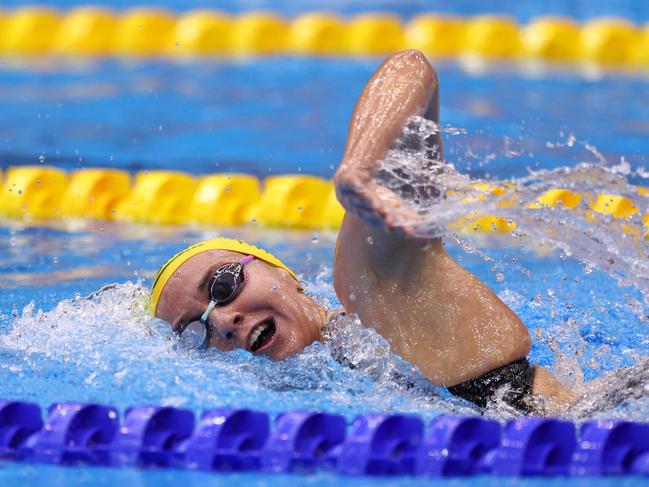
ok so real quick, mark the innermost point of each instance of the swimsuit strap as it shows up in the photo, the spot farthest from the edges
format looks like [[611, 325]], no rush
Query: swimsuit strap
[[519, 375]]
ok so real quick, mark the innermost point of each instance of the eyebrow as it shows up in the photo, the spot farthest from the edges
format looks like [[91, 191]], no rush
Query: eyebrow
[[202, 284]]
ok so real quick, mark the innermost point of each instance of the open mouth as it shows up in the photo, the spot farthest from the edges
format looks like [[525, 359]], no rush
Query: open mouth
[[262, 335]]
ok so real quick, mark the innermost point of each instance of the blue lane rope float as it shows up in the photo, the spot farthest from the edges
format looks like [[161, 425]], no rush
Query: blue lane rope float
[[243, 440]]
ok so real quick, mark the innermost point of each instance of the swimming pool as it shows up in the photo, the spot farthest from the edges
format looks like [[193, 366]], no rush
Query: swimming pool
[[270, 117]]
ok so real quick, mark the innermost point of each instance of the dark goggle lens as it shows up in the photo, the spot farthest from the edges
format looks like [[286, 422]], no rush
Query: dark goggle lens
[[224, 287]]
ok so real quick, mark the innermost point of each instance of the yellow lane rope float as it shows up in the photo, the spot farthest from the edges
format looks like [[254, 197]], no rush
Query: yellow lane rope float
[[98, 31], [36, 193]]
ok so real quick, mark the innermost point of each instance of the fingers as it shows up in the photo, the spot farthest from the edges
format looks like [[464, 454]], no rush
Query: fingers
[[379, 207]]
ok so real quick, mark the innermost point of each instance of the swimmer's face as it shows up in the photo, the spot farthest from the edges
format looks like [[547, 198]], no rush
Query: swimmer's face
[[270, 306]]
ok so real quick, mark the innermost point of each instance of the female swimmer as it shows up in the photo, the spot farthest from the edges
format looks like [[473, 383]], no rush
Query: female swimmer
[[434, 314]]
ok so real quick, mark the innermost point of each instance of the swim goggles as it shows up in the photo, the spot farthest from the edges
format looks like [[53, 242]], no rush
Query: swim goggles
[[226, 284]]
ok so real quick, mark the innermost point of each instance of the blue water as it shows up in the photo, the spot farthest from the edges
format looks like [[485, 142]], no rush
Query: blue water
[[289, 115]]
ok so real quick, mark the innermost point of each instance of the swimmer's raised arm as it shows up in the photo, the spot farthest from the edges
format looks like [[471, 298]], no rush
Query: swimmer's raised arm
[[433, 312]]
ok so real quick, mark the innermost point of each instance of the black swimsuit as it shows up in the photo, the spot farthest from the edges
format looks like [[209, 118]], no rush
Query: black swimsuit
[[518, 375]]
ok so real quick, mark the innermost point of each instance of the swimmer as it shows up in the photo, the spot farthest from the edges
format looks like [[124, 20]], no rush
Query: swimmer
[[433, 313]]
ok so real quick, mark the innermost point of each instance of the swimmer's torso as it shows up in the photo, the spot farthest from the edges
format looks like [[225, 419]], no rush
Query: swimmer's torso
[[433, 313]]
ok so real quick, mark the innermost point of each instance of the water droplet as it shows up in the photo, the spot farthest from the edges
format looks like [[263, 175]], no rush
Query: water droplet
[[227, 189], [159, 128], [352, 297], [41, 158], [315, 239], [299, 208], [500, 277], [370, 240]]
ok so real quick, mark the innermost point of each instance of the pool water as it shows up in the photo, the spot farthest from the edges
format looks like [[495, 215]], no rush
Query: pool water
[[269, 116], [587, 317]]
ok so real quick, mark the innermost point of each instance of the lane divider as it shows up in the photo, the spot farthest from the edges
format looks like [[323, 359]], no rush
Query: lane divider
[[226, 440], [98, 31], [35, 193]]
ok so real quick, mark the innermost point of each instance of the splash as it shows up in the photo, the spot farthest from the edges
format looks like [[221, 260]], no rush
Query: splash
[[442, 198], [106, 348]]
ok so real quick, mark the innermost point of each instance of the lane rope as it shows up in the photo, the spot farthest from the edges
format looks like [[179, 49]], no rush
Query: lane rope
[[40, 193], [226, 440], [146, 32]]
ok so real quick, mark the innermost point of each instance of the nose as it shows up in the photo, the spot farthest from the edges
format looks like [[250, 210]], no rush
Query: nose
[[226, 325]]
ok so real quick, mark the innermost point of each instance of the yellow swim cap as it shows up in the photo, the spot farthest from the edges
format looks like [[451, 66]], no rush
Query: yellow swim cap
[[172, 265]]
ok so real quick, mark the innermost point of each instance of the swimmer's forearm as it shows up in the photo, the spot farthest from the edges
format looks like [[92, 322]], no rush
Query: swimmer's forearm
[[557, 397], [404, 86]]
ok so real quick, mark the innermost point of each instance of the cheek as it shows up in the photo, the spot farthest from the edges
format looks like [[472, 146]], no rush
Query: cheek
[[301, 324], [279, 297]]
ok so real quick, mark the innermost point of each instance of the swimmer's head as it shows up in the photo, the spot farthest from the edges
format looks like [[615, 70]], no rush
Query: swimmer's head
[[270, 304]]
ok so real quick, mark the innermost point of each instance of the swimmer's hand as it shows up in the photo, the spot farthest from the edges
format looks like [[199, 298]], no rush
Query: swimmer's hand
[[375, 204], [405, 85]]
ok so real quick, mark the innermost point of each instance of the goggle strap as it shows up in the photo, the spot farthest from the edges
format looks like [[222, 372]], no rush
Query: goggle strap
[[209, 309], [247, 259]]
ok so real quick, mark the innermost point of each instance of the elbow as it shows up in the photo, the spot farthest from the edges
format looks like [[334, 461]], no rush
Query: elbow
[[417, 62]]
